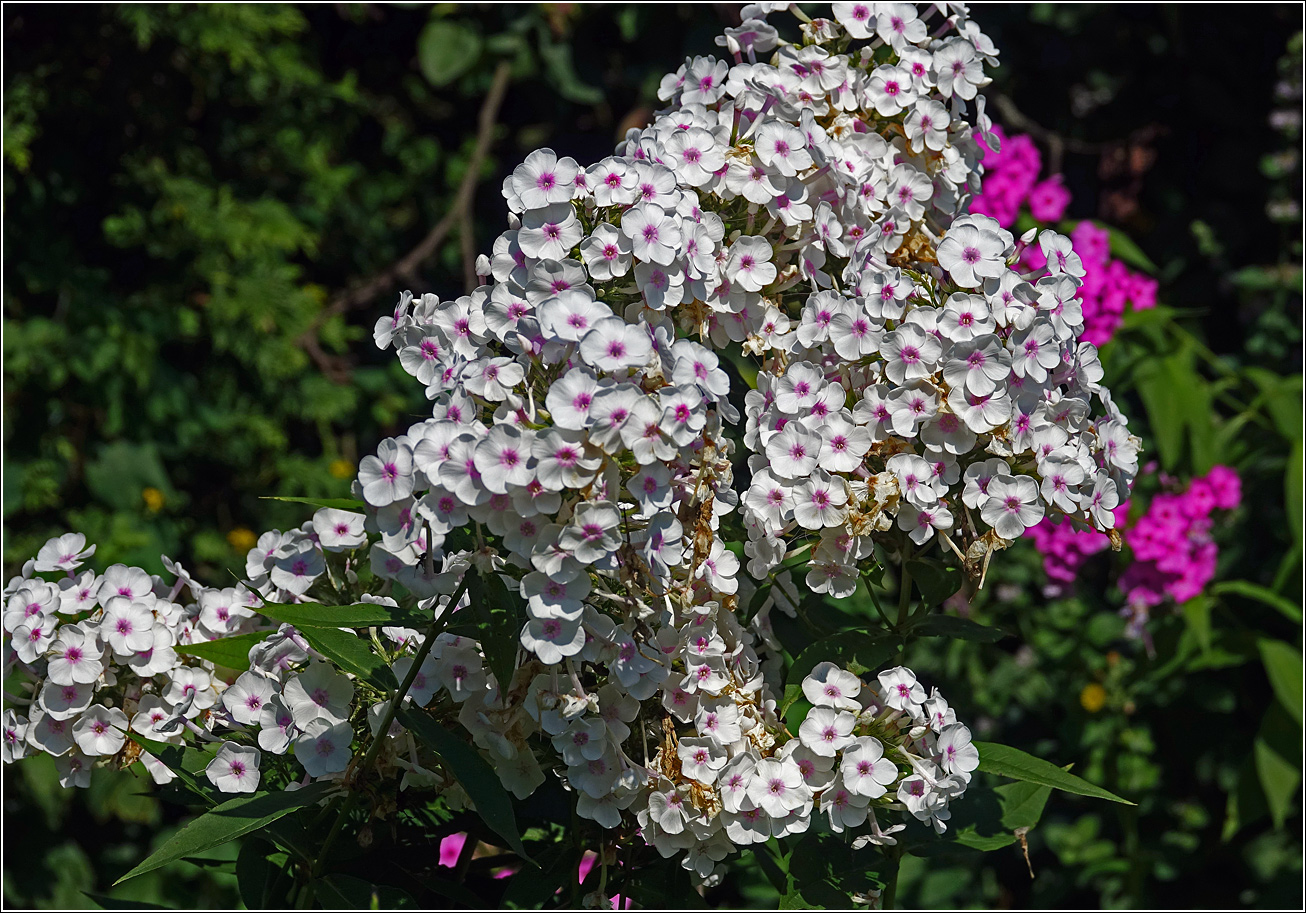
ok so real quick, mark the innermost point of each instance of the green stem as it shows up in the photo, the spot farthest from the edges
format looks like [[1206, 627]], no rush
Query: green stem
[[464, 859], [402, 692], [904, 596], [890, 879]]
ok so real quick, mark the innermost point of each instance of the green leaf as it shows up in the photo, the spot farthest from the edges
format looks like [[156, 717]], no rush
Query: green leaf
[[1255, 591], [233, 818], [350, 893], [446, 49], [337, 503], [361, 615], [1283, 664], [1292, 487], [1179, 409], [969, 836], [1282, 397], [1006, 761], [1246, 801], [855, 650], [118, 903], [230, 652], [858, 651], [255, 872], [474, 773], [1022, 803], [179, 759], [1123, 248], [1197, 612], [561, 71], [351, 653], [501, 610], [1279, 778], [956, 628], [934, 579]]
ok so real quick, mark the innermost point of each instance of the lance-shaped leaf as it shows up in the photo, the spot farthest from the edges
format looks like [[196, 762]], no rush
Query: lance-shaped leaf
[[362, 615], [231, 652], [233, 818], [1006, 761], [337, 503], [501, 615], [352, 654]]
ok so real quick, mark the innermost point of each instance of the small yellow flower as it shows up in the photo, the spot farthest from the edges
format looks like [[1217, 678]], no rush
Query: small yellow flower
[[242, 539], [1093, 697], [153, 499], [341, 469]]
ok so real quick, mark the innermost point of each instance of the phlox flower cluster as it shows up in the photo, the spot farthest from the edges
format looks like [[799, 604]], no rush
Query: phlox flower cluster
[[860, 749], [1173, 552], [1066, 547], [804, 204], [583, 432], [1011, 180], [100, 656], [954, 400]]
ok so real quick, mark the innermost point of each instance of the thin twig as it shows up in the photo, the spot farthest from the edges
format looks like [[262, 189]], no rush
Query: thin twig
[[1058, 145], [406, 267]]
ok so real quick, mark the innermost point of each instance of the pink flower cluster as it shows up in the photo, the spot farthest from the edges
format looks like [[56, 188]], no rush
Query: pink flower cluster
[[1065, 547], [1174, 554], [1010, 181]]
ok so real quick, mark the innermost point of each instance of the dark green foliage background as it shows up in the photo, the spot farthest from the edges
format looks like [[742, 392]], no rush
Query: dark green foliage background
[[187, 189]]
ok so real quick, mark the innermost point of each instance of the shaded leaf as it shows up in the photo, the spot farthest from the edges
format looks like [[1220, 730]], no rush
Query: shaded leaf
[[1279, 779], [561, 70], [1197, 612], [182, 761], [1292, 487], [972, 838], [956, 628], [501, 610], [1022, 803], [351, 653], [1250, 590], [1283, 664], [856, 650], [254, 873], [934, 579], [233, 818], [1123, 248], [474, 773], [351, 893], [447, 49], [117, 903]]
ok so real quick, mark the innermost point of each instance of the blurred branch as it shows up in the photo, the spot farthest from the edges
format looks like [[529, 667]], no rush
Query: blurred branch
[[1058, 145], [459, 216]]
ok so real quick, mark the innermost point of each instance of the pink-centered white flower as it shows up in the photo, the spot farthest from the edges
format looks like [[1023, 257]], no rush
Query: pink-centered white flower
[[235, 768]]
